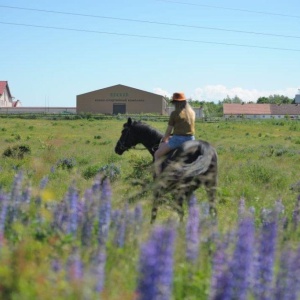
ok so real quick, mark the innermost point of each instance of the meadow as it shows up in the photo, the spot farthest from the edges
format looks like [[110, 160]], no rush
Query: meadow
[[66, 233]]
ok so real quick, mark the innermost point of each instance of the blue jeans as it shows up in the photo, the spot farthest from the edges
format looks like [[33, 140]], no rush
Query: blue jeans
[[176, 140]]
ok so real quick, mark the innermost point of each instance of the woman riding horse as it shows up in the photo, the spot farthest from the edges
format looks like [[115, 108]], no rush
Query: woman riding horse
[[185, 169]]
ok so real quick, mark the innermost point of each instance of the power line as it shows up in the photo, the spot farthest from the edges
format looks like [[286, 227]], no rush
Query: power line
[[152, 22], [149, 37], [236, 9]]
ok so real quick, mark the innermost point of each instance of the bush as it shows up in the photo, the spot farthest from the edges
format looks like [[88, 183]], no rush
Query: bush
[[110, 170], [17, 151], [66, 163]]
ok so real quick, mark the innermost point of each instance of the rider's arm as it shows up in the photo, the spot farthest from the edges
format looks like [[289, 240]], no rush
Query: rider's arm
[[167, 133]]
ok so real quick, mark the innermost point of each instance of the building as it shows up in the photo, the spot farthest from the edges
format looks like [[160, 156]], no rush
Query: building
[[6, 99], [261, 111], [121, 99], [297, 97]]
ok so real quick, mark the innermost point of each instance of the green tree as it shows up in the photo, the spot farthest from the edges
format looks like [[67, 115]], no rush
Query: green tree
[[235, 99], [275, 99]]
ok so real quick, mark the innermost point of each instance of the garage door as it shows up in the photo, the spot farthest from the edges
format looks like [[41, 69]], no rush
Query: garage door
[[119, 109]]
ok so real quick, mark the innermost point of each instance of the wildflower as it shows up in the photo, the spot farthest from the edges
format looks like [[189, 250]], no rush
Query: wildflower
[[219, 278], [121, 228], [233, 283], [3, 202], [296, 213], [44, 182], [98, 269], [138, 219], [286, 283], [192, 234], [241, 267], [104, 212], [138, 214], [75, 267], [265, 256], [15, 198], [156, 265], [73, 200]]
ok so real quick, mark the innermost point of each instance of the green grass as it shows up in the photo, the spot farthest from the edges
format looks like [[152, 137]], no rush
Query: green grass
[[258, 161]]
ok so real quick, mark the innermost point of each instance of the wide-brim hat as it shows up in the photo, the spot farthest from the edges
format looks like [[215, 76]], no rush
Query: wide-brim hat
[[178, 97]]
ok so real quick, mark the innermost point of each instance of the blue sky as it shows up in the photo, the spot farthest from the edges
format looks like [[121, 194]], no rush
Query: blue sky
[[207, 49]]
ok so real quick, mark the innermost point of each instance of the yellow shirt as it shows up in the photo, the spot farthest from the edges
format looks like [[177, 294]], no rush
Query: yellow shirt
[[181, 126]]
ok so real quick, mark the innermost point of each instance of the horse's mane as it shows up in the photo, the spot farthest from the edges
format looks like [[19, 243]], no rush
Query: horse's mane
[[145, 130]]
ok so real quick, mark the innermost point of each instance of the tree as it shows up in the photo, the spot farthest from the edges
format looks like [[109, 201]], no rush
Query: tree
[[235, 99], [275, 99]]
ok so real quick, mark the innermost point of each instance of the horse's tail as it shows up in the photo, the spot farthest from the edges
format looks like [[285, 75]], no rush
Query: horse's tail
[[193, 158]]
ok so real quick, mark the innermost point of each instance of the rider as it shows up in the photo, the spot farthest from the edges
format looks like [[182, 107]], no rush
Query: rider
[[181, 124]]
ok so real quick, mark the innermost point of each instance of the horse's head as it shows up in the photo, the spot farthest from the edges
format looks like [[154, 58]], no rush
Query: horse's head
[[128, 138]]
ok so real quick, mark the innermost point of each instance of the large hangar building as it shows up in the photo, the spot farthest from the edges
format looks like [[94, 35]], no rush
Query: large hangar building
[[120, 99]]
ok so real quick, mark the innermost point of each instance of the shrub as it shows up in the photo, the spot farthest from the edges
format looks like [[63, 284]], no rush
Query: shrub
[[66, 163], [110, 170], [17, 151]]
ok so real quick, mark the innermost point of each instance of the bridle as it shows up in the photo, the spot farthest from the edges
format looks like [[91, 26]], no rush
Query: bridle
[[122, 144]]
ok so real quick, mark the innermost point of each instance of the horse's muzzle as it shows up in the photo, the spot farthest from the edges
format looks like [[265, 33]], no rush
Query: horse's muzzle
[[119, 149]]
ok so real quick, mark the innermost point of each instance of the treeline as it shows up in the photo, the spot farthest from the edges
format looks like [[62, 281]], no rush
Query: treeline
[[216, 109]]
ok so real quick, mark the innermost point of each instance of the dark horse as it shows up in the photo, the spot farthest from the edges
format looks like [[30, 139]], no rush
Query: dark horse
[[184, 169]]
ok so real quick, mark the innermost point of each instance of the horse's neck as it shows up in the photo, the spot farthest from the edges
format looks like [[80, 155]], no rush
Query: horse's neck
[[150, 139]]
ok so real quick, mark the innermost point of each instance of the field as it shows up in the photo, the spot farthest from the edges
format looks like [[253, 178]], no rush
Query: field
[[64, 235]]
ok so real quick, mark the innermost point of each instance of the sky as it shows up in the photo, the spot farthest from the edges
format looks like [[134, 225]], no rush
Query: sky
[[52, 51]]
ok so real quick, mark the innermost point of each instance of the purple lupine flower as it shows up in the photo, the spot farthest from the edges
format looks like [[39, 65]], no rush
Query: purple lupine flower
[[98, 269], [17, 188], [73, 217], [96, 187], [104, 212], [192, 234], [192, 200], [26, 196], [138, 214], [121, 228], [138, 219], [115, 215], [220, 278], [75, 267], [240, 267], [15, 198], [233, 282], [286, 282], [3, 203], [265, 257], [297, 269], [44, 182], [296, 213], [106, 191], [87, 217], [156, 265]]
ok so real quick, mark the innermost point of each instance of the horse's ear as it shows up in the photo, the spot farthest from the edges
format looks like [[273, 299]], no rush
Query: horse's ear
[[129, 121]]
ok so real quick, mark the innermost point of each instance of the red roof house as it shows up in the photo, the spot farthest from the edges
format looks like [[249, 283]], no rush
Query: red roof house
[[253, 111], [6, 99]]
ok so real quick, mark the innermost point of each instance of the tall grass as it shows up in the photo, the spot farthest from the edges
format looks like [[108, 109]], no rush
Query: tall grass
[[66, 233]]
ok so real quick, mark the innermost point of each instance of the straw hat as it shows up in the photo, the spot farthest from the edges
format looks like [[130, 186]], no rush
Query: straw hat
[[178, 97]]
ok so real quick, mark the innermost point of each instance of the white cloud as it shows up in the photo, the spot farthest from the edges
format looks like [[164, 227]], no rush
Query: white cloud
[[220, 92], [162, 92]]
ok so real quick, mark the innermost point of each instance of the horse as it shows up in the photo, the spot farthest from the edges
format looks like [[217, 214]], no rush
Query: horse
[[183, 170]]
